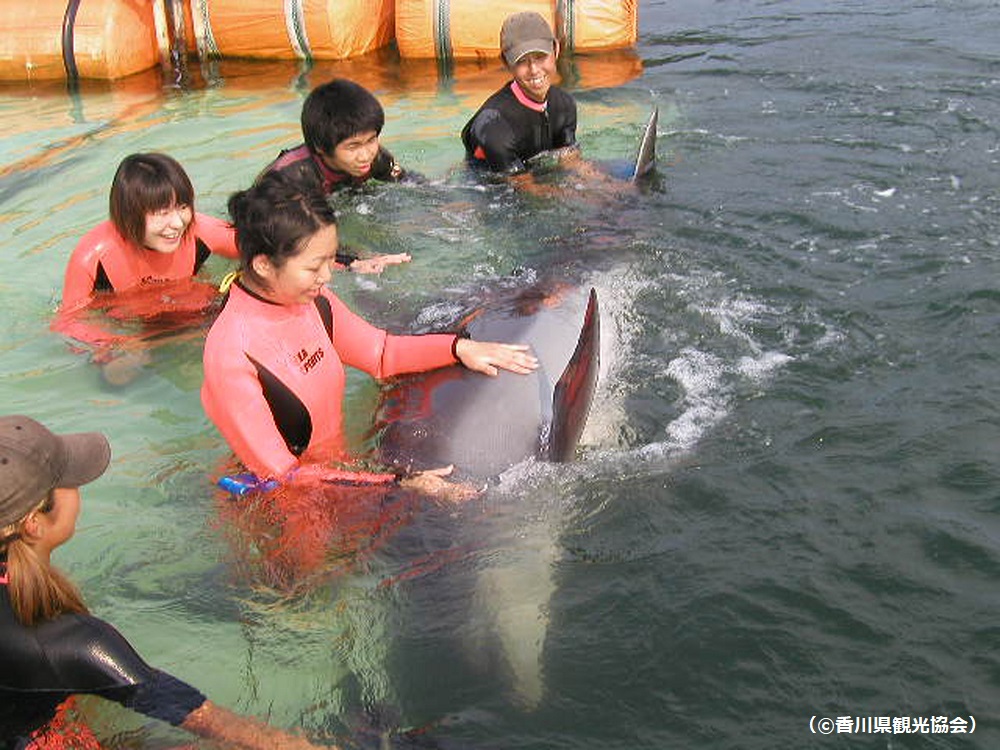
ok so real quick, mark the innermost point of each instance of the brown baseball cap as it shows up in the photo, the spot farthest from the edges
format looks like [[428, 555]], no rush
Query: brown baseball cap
[[525, 32], [34, 461]]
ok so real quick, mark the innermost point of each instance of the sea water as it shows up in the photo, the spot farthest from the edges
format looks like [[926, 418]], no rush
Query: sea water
[[782, 527]]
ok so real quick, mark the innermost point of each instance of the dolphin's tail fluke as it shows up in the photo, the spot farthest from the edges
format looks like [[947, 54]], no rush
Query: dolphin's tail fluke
[[574, 391]]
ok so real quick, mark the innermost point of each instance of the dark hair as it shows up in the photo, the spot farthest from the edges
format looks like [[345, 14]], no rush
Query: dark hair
[[145, 183], [338, 110], [275, 217]]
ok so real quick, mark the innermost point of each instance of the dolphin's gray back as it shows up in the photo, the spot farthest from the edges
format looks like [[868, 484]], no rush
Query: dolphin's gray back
[[485, 425]]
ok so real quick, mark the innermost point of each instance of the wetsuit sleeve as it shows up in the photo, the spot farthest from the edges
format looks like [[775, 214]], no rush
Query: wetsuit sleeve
[[74, 324], [81, 271], [490, 137], [346, 256], [382, 355], [83, 654], [161, 696], [566, 134], [234, 399], [104, 656], [386, 168], [219, 235], [78, 653], [78, 290]]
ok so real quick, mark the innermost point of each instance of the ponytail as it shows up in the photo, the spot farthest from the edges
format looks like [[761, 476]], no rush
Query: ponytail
[[37, 591]]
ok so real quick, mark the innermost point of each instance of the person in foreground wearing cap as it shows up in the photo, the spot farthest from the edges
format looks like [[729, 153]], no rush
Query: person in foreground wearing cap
[[51, 648], [529, 115]]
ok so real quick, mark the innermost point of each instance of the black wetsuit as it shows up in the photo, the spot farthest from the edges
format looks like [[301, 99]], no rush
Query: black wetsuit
[[303, 166], [508, 130], [41, 666]]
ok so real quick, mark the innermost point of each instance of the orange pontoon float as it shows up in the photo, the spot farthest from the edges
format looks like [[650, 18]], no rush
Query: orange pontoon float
[[44, 40], [110, 39]]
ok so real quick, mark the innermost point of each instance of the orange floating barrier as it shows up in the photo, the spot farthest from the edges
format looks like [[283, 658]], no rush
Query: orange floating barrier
[[456, 30], [588, 25], [110, 39], [446, 29], [290, 29], [52, 39]]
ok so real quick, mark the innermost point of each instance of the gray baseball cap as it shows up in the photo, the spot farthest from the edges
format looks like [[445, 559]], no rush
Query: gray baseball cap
[[525, 32], [34, 461]]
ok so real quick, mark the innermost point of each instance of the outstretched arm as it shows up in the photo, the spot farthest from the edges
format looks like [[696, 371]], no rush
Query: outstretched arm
[[378, 263], [234, 730], [219, 235], [580, 179]]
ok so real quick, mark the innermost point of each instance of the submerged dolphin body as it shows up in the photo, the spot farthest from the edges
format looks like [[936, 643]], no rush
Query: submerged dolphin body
[[485, 425]]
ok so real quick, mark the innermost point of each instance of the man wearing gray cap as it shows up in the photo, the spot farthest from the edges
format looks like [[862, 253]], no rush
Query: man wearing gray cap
[[528, 115], [51, 648]]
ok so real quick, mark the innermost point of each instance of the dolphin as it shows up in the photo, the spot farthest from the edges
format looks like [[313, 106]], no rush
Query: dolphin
[[485, 426]]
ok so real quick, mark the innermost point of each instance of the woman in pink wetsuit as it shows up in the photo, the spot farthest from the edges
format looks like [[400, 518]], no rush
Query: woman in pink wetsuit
[[154, 242], [274, 358], [154, 233]]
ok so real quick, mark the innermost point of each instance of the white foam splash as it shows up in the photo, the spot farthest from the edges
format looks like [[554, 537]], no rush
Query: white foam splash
[[706, 396], [616, 291], [438, 314], [760, 368], [709, 380]]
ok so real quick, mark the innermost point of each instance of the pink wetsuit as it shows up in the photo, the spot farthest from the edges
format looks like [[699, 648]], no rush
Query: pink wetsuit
[[124, 265], [104, 261], [274, 376]]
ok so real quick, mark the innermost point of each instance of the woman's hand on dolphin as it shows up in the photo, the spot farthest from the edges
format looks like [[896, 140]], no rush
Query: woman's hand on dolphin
[[489, 357], [432, 482], [379, 263]]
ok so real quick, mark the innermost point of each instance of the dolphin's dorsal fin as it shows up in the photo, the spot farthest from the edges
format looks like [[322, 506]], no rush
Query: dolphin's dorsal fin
[[575, 389], [645, 160]]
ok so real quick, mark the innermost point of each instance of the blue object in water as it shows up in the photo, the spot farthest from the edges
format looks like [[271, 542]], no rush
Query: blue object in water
[[245, 482]]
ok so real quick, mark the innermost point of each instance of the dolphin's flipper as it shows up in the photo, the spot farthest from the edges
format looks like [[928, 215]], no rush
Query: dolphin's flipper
[[645, 160], [575, 389]]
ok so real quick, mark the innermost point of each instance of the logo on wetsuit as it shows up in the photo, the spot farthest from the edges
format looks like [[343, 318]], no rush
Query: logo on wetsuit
[[308, 361]]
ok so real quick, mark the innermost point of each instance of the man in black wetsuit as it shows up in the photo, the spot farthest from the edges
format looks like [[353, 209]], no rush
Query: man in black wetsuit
[[51, 647], [529, 114], [341, 125]]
